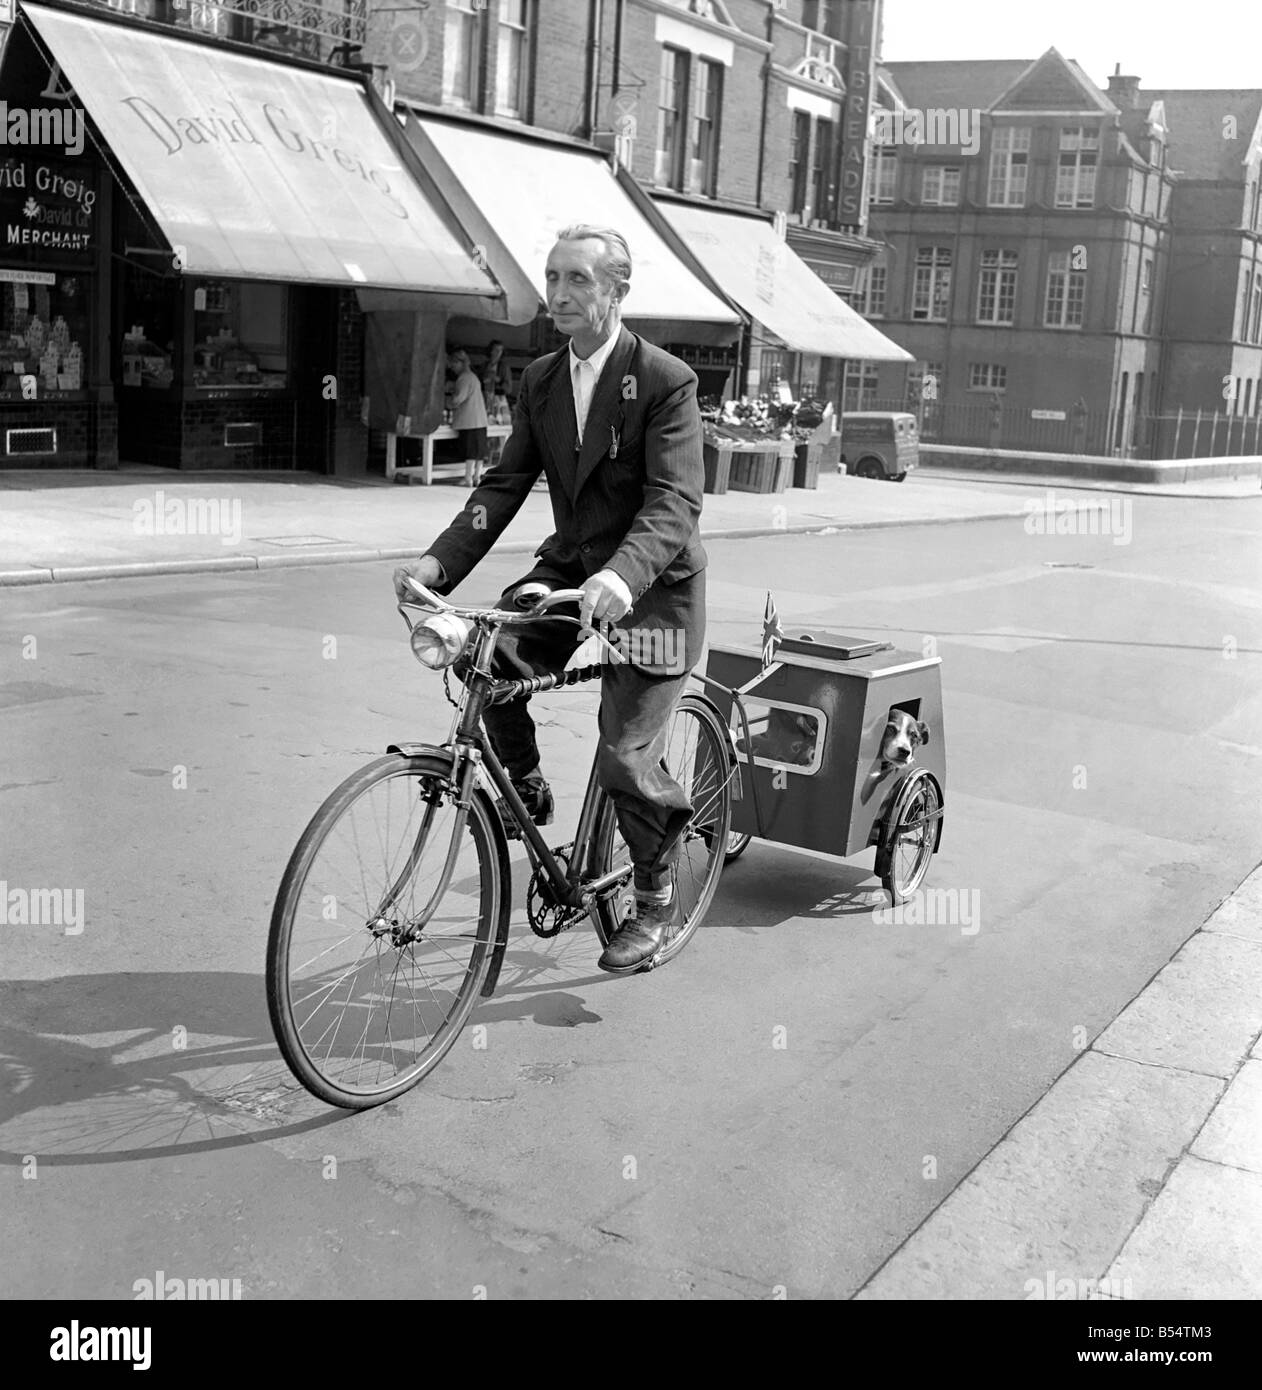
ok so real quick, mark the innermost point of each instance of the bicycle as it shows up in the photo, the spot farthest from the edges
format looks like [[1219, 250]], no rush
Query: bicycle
[[426, 942]]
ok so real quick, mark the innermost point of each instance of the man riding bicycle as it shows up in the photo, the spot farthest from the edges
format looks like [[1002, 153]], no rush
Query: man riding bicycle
[[612, 423]]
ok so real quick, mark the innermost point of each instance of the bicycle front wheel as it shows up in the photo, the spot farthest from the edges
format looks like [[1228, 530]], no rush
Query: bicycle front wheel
[[698, 757], [382, 930]]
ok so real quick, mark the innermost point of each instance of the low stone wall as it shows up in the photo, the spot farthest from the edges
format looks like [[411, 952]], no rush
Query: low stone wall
[[1088, 466]]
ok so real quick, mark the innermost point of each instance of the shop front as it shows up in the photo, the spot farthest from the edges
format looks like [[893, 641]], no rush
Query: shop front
[[56, 397], [801, 332], [232, 206], [513, 194], [50, 360]]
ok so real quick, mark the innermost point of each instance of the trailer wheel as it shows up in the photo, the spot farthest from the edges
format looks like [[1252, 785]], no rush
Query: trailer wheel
[[910, 835], [737, 844]]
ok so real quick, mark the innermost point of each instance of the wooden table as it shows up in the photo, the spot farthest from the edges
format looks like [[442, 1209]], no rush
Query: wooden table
[[425, 469]]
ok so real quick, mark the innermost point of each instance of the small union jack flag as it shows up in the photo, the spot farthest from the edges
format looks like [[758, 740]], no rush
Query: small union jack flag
[[772, 632]]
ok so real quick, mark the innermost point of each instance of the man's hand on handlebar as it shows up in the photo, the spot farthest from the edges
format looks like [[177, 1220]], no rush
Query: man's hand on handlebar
[[426, 571], [606, 598]]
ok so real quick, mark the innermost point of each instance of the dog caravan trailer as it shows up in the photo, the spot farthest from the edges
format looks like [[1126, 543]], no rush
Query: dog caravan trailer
[[820, 767]]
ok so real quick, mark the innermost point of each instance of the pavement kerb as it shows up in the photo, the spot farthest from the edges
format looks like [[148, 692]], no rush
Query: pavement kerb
[[35, 575], [909, 1268], [1049, 482], [140, 569]]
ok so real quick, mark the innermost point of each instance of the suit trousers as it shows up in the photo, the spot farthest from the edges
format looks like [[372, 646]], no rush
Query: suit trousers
[[652, 809]]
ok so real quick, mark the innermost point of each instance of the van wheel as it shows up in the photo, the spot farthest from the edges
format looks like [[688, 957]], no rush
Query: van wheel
[[869, 468]]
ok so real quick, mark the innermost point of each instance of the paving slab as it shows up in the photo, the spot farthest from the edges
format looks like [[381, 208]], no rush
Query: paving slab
[[1202, 1238], [1233, 1133], [1058, 1196], [115, 525], [1240, 914], [1201, 1013]]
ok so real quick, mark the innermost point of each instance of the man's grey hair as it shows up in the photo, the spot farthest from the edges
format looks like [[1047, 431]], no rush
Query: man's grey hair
[[616, 262]]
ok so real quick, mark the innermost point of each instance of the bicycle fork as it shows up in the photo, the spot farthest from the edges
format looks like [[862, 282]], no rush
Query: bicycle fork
[[464, 775]]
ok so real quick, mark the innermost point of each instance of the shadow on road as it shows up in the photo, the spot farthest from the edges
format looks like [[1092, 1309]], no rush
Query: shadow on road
[[132, 1065], [123, 1066]]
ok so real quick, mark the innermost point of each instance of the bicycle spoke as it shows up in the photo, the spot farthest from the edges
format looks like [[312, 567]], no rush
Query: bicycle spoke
[[369, 1002]]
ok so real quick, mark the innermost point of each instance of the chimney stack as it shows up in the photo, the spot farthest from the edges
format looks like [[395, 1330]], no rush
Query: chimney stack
[[1124, 90]]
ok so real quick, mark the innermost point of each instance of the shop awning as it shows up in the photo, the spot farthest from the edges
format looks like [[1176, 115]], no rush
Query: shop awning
[[775, 286], [253, 169], [527, 190]]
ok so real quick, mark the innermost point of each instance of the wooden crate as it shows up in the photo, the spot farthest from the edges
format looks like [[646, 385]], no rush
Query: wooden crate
[[762, 469], [718, 465], [806, 462]]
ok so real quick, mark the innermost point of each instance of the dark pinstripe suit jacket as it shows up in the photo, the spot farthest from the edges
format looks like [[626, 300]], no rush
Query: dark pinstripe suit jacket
[[635, 513]]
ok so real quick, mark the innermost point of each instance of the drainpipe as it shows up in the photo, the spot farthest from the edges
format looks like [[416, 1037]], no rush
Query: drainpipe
[[766, 83], [593, 67], [619, 10]]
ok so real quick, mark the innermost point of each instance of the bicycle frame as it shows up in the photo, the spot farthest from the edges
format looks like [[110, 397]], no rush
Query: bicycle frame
[[472, 755]]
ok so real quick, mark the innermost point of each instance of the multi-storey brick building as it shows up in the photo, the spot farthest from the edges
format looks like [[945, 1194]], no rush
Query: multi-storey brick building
[[1211, 319], [755, 108], [1072, 267], [737, 130], [1023, 247]]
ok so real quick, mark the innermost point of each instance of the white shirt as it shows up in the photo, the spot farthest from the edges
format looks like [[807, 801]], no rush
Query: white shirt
[[584, 374]]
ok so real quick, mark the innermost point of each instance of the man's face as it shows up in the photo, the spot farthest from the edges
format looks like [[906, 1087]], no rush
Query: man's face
[[578, 295]]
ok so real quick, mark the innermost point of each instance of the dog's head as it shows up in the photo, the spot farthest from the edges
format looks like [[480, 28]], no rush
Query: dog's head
[[902, 736], [790, 738]]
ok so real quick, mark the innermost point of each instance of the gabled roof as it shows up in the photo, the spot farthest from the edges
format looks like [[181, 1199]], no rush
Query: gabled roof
[[955, 84], [1198, 130], [1053, 83], [887, 90]]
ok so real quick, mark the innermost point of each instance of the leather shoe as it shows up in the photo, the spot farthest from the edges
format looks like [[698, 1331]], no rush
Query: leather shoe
[[636, 942]]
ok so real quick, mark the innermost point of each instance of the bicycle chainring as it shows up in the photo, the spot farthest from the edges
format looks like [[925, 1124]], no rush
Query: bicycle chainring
[[546, 916]]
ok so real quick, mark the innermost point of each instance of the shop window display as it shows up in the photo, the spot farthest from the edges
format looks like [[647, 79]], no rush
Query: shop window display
[[43, 334], [148, 344], [240, 335]]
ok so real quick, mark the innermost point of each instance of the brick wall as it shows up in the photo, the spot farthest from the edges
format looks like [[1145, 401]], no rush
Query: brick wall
[[203, 430], [561, 66], [412, 43], [190, 434], [87, 433], [741, 112]]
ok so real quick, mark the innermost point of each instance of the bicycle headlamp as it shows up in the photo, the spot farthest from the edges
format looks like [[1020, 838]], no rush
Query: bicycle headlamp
[[438, 640]]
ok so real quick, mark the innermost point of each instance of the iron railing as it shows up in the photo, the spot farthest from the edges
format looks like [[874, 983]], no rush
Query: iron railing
[[1181, 434], [315, 29]]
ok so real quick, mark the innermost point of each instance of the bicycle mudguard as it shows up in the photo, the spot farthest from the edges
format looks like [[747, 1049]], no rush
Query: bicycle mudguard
[[897, 802], [420, 750], [703, 697], [491, 978]]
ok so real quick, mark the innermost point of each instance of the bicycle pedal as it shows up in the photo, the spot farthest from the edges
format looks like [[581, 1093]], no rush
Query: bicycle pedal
[[544, 816]]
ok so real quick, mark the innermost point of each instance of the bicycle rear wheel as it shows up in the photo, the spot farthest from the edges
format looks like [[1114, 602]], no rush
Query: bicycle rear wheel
[[371, 970], [699, 758]]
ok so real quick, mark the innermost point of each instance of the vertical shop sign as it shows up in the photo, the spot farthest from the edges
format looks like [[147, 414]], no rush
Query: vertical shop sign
[[860, 66]]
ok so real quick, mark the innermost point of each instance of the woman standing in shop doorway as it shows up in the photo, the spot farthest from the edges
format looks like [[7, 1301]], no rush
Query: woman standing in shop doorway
[[497, 377], [468, 413]]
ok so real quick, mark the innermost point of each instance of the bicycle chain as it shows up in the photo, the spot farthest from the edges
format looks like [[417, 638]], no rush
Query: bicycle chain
[[546, 916]]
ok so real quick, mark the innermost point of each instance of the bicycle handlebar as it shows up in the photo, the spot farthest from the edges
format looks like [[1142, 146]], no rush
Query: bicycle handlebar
[[429, 599], [502, 616]]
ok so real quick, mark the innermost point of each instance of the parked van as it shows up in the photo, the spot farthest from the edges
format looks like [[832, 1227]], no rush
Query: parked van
[[879, 444]]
